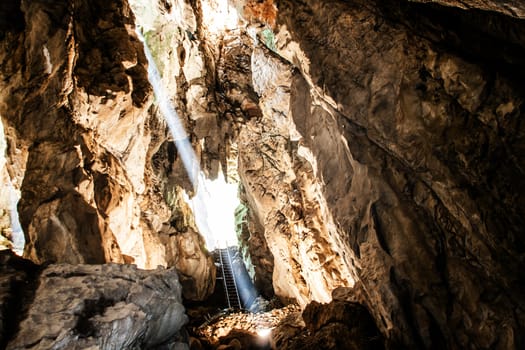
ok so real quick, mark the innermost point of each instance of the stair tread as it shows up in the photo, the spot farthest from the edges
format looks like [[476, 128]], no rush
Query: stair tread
[[228, 277]]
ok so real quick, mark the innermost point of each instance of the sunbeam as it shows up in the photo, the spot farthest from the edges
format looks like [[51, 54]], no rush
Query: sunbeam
[[215, 201]]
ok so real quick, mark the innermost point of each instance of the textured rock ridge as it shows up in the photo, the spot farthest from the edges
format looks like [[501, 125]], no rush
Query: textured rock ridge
[[298, 231], [92, 306], [432, 147], [84, 143]]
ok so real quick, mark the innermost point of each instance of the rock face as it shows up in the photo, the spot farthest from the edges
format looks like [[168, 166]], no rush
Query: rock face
[[288, 200], [340, 324], [83, 143], [96, 307], [378, 144], [429, 146]]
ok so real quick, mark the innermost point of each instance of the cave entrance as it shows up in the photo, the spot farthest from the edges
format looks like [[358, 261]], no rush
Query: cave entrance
[[214, 202], [214, 210]]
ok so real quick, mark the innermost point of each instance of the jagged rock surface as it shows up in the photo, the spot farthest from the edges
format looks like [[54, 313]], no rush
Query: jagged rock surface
[[430, 143], [84, 142], [281, 187], [102, 307], [339, 324], [379, 147], [76, 192]]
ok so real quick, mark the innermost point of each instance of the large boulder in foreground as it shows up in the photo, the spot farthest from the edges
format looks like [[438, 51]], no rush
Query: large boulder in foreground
[[340, 324], [102, 307]]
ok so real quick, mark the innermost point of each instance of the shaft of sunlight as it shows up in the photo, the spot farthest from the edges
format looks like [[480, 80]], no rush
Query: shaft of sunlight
[[214, 206], [171, 116], [214, 202], [182, 142]]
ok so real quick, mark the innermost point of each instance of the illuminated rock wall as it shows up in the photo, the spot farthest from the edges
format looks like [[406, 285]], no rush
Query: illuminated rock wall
[[86, 145], [378, 146]]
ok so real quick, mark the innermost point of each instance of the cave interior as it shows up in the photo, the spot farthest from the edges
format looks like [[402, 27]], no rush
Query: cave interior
[[262, 174]]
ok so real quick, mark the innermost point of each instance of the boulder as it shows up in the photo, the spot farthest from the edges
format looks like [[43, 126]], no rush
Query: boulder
[[102, 307]]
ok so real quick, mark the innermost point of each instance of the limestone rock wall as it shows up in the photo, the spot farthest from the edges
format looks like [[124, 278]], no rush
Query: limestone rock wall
[[376, 147], [282, 187], [62, 100], [86, 145], [423, 189], [382, 142]]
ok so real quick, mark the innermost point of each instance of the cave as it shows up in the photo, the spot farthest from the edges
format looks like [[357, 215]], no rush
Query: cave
[[262, 174]]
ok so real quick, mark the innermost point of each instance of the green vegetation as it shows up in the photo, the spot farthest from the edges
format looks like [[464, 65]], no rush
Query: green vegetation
[[241, 220], [268, 38], [161, 43], [241, 213]]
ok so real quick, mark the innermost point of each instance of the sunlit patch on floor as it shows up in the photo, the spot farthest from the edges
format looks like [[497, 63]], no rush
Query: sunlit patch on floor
[[243, 327]]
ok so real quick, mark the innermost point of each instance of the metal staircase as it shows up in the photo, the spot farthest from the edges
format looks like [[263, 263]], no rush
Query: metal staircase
[[230, 286]]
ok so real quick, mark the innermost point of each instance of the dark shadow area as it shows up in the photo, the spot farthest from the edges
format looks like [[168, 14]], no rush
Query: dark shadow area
[[11, 17], [18, 284], [491, 39], [85, 327]]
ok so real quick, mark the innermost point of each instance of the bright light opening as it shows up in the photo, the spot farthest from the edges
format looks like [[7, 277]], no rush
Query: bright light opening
[[17, 235], [264, 332], [219, 16], [214, 210], [215, 201]]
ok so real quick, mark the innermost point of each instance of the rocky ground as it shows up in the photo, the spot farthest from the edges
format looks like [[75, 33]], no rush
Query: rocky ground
[[340, 324], [230, 329]]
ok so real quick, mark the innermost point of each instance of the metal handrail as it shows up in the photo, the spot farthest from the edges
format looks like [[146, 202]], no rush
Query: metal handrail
[[233, 277], [226, 281]]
